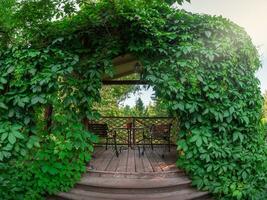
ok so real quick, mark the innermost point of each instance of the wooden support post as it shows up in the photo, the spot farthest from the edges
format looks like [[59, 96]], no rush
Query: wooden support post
[[48, 117], [85, 122], [134, 130], [6, 89]]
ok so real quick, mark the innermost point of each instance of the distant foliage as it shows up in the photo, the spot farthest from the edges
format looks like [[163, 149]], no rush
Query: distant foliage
[[112, 96], [202, 67], [140, 107]]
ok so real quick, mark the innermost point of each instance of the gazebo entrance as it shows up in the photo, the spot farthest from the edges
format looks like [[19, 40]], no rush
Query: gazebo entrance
[[132, 132], [136, 156]]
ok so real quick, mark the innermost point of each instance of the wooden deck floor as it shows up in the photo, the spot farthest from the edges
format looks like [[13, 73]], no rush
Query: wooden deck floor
[[130, 177], [129, 161]]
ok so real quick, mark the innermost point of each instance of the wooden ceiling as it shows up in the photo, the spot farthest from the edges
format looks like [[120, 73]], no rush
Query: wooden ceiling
[[123, 66]]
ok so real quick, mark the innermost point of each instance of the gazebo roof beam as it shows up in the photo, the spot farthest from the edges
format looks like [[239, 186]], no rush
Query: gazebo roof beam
[[123, 66]]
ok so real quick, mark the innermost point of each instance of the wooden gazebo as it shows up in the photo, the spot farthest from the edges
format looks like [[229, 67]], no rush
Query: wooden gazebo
[[131, 176]]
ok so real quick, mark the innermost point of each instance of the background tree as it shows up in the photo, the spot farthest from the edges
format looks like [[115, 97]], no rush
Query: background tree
[[139, 107], [111, 96], [158, 108]]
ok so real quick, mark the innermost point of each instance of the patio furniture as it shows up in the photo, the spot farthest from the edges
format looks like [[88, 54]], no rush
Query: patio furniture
[[131, 143], [119, 129], [158, 132], [103, 131]]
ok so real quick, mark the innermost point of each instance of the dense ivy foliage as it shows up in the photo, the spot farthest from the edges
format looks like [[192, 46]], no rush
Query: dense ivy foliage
[[34, 159], [264, 120], [265, 105], [201, 66]]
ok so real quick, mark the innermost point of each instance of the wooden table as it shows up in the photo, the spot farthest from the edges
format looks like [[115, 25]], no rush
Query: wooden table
[[130, 134]]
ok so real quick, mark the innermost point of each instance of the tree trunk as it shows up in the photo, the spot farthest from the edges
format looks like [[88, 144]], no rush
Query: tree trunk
[[48, 117], [85, 122]]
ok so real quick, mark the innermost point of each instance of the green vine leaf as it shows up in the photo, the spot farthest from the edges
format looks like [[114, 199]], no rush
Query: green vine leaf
[[11, 138]]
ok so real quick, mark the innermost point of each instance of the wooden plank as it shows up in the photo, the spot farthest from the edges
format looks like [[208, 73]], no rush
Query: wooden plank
[[173, 156], [108, 157], [154, 163], [151, 194], [158, 158], [113, 165], [124, 65], [122, 59], [122, 167], [130, 161], [96, 157], [98, 149], [146, 163], [129, 164], [98, 152], [169, 159], [103, 160], [134, 183], [139, 166]]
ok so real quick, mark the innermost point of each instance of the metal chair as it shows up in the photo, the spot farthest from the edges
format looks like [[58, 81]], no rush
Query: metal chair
[[158, 132], [103, 131]]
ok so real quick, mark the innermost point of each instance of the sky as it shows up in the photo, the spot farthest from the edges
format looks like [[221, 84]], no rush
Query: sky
[[251, 15]]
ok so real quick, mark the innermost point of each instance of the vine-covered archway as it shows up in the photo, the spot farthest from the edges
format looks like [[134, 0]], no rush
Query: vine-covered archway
[[202, 66]]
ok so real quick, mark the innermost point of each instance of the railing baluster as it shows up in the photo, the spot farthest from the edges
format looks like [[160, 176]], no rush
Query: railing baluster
[[137, 122]]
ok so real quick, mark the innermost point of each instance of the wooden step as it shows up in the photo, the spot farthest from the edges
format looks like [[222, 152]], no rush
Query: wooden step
[[174, 173], [121, 188], [186, 194], [134, 183], [131, 190]]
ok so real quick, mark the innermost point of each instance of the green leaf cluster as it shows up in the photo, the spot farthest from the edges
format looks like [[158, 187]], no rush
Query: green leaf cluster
[[202, 67]]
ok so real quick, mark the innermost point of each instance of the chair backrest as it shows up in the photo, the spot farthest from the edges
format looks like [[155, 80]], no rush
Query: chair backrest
[[99, 129], [160, 130]]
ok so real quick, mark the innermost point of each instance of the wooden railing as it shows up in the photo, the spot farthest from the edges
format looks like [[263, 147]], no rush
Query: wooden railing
[[138, 126]]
